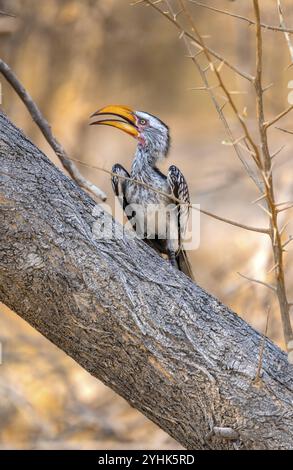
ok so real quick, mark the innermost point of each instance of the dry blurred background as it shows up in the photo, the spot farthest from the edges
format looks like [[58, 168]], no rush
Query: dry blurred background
[[75, 56]]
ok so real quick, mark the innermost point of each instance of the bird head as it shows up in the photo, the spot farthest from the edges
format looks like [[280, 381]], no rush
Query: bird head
[[150, 131]]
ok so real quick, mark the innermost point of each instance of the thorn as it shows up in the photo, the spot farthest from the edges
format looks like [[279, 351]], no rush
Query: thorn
[[285, 208], [283, 203], [265, 210], [206, 69], [175, 16], [223, 105], [273, 268], [235, 92], [263, 196], [287, 242], [219, 68], [267, 87], [203, 88], [284, 227], [278, 151], [226, 142], [244, 112]]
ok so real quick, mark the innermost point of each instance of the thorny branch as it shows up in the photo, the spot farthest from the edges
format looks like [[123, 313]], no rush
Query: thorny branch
[[259, 154], [45, 128], [254, 152], [249, 146], [276, 238], [251, 22]]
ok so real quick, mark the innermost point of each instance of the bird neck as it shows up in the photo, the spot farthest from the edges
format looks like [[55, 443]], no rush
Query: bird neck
[[144, 161]]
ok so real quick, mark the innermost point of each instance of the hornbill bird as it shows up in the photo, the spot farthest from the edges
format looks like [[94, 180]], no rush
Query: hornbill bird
[[143, 206]]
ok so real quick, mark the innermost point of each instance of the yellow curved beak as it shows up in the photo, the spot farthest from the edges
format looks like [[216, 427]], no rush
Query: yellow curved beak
[[128, 124]]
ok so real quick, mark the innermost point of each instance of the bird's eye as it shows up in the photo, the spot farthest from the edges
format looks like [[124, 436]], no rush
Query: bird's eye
[[142, 122]]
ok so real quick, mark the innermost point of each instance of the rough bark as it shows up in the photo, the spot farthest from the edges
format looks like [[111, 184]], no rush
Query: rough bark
[[170, 349]]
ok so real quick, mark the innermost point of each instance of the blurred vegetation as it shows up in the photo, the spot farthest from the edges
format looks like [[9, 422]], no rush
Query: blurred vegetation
[[75, 56]]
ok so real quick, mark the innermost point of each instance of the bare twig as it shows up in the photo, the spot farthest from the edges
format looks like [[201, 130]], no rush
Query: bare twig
[[44, 127], [284, 130], [257, 281], [278, 117], [251, 22], [286, 243], [268, 87]]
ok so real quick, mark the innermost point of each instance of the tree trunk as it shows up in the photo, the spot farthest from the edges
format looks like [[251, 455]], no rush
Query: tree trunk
[[170, 349]]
